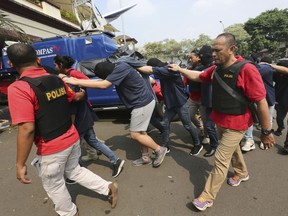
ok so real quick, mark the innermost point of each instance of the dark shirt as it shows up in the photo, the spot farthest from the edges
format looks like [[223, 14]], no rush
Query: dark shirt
[[84, 114], [267, 73], [172, 87], [131, 87]]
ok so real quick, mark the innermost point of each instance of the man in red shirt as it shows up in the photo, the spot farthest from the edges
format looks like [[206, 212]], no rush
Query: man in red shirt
[[39, 105], [232, 119]]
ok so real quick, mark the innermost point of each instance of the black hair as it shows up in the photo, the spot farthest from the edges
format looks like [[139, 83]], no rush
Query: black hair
[[154, 62], [50, 70], [65, 61], [266, 59], [205, 55], [21, 54], [103, 69], [283, 62]]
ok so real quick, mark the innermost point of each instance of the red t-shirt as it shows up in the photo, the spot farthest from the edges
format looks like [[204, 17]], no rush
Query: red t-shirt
[[23, 105], [77, 74], [250, 81], [195, 96]]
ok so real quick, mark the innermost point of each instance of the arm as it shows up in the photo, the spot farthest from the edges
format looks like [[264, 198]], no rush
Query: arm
[[25, 139], [101, 84], [190, 74], [145, 69], [79, 96], [263, 113], [278, 68]]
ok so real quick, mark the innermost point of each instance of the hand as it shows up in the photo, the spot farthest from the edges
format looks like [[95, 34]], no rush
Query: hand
[[21, 175], [268, 140], [174, 67], [70, 80]]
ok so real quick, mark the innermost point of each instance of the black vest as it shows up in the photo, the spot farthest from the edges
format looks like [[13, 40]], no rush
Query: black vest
[[222, 101], [53, 117]]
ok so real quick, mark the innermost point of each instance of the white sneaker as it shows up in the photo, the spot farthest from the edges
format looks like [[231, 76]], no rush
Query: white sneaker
[[261, 146], [89, 157], [248, 145], [205, 140]]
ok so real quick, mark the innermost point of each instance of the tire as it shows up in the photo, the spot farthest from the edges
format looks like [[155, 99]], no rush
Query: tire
[[161, 110]]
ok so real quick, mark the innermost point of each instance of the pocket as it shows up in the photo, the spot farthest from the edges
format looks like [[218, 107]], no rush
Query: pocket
[[36, 164], [49, 169]]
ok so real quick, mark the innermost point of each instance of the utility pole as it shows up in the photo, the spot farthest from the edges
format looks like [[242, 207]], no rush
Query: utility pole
[[222, 25], [122, 21]]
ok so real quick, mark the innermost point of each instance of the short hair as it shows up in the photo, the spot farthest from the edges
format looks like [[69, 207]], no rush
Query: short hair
[[66, 61], [230, 38], [21, 54], [103, 69]]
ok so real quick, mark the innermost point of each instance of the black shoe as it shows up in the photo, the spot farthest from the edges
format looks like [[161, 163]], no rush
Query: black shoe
[[69, 181], [168, 149], [196, 150], [278, 132], [285, 148], [210, 153], [117, 168]]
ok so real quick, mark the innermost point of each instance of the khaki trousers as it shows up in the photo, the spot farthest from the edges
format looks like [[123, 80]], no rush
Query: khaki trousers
[[227, 151]]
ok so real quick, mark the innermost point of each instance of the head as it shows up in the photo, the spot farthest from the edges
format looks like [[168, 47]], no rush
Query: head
[[266, 59], [22, 56], [103, 69], [154, 62], [283, 62], [194, 57], [223, 49], [63, 63], [205, 55], [50, 70]]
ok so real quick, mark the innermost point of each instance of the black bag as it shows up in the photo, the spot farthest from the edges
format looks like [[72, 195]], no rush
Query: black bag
[[252, 106]]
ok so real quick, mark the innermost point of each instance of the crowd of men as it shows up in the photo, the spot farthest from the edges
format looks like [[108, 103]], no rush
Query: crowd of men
[[222, 86]]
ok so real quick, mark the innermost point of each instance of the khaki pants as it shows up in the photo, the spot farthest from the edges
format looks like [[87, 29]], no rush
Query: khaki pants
[[228, 150]]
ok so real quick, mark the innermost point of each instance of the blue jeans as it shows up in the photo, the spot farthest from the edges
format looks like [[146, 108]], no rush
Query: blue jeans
[[90, 138], [210, 128], [249, 132], [184, 115]]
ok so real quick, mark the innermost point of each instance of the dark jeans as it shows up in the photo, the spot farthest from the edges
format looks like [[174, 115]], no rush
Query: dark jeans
[[184, 115], [90, 138], [210, 128], [281, 112]]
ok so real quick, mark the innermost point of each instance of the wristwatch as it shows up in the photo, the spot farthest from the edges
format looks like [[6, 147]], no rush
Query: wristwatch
[[265, 132]]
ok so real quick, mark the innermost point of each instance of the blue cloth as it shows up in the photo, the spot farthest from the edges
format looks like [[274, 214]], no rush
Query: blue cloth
[[91, 139], [267, 73], [130, 86], [184, 115], [84, 121], [172, 87], [210, 128]]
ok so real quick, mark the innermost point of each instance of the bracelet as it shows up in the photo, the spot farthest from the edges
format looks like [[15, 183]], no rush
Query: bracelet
[[64, 77]]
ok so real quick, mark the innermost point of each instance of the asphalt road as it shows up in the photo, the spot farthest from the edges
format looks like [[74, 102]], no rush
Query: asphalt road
[[146, 191]]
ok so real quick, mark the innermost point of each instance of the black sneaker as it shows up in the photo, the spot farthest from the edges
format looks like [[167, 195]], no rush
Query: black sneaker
[[285, 148], [278, 132], [117, 168], [196, 150], [69, 181], [168, 149]]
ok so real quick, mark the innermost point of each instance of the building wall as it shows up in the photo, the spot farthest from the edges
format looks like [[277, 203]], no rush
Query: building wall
[[35, 27]]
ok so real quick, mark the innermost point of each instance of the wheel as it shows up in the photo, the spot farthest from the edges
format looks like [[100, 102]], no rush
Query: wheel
[[161, 110]]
